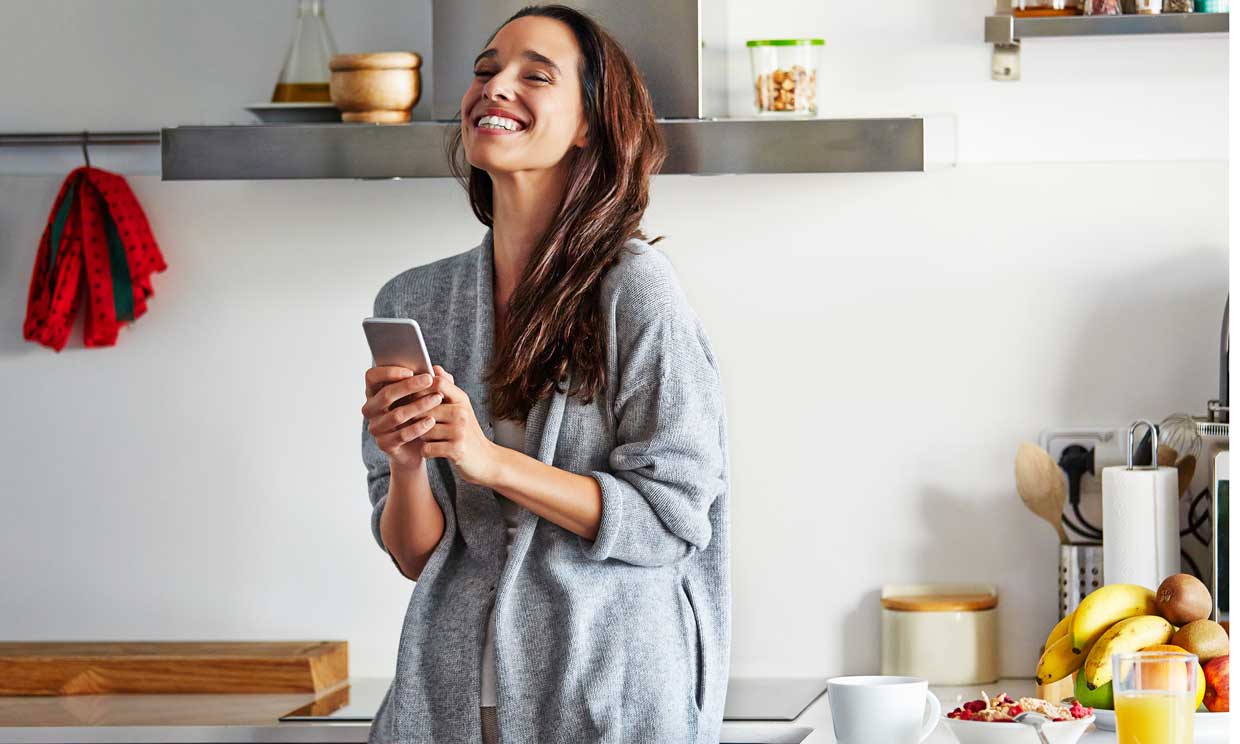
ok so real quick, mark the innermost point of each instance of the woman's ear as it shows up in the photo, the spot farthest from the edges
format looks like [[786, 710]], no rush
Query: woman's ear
[[582, 136]]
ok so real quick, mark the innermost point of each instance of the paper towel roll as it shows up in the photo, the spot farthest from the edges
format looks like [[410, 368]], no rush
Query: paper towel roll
[[1140, 525]]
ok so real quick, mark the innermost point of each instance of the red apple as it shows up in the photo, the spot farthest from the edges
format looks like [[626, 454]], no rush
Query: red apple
[[1218, 685]]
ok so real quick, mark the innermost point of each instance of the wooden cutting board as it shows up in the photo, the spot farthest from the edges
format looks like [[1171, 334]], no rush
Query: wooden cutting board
[[97, 668]]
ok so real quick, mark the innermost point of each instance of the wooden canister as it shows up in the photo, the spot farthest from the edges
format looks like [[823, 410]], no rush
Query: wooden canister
[[379, 87]]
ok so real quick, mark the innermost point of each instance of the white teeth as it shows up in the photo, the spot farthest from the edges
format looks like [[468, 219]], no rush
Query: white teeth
[[499, 122]]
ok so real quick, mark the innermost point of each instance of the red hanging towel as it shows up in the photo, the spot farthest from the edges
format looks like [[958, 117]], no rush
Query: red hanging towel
[[96, 235]]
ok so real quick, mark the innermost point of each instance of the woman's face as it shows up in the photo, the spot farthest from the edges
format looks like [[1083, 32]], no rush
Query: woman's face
[[523, 111]]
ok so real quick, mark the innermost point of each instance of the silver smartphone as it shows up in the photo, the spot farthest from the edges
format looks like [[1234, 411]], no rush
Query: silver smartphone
[[398, 341]]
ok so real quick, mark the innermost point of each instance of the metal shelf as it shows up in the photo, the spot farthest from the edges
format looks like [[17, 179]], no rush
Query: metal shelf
[[418, 150], [1007, 29]]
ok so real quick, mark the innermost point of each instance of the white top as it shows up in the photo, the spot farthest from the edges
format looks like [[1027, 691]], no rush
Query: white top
[[510, 434]]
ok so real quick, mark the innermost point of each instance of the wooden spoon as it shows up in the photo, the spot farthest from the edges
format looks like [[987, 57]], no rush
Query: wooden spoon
[[1167, 456], [1041, 486], [1187, 466]]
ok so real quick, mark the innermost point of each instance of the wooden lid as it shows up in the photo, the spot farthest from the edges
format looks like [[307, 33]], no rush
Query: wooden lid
[[941, 603], [376, 61]]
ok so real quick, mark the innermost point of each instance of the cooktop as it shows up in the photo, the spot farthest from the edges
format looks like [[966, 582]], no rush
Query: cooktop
[[749, 699]]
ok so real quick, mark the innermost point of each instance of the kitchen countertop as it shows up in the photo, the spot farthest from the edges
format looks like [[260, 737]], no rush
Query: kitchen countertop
[[254, 718]]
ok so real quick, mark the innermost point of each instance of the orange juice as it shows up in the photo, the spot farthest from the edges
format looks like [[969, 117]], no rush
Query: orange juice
[[1144, 717]]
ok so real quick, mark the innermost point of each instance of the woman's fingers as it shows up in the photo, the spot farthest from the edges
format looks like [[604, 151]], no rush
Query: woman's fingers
[[377, 377], [401, 415], [384, 397], [441, 372], [451, 393], [391, 441]]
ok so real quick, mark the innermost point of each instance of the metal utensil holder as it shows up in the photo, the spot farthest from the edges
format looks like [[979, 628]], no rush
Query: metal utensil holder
[[1080, 572]]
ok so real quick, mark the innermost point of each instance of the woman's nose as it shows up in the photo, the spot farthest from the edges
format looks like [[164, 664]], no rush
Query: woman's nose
[[498, 87]]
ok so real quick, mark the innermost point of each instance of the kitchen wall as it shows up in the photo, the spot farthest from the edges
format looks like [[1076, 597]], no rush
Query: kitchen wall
[[886, 339]]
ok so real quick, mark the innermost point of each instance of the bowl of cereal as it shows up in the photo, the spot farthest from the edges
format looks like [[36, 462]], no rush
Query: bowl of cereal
[[993, 721]]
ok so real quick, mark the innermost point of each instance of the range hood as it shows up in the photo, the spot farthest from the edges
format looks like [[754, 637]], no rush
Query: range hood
[[679, 45]]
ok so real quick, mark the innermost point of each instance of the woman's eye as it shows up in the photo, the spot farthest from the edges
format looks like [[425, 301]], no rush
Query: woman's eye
[[482, 73], [539, 78]]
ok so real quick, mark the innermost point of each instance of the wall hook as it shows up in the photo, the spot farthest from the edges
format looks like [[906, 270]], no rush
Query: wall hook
[[85, 152]]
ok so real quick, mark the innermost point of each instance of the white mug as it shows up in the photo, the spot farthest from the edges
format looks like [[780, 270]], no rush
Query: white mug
[[882, 710]]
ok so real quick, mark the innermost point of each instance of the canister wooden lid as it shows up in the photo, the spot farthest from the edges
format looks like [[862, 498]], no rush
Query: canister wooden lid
[[375, 61], [941, 603]]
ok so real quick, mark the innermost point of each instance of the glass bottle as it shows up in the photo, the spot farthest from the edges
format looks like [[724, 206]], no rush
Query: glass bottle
[[305, 74]]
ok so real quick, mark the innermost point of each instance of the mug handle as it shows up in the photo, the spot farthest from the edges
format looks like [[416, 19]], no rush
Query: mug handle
[[936, 709]]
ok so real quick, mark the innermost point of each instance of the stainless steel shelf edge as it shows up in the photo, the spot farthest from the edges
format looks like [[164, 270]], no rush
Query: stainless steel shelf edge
[[418, 150], [1005, 29]]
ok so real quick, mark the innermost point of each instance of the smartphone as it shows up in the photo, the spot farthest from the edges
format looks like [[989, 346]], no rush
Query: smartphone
[[398, 341]]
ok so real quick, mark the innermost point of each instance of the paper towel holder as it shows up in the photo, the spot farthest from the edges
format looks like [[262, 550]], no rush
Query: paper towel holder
[[1153, 450]]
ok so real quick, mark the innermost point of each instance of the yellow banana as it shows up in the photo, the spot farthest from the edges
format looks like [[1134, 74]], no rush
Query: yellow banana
[[1106, 606], [1130, 634], [1059, 631], [1058, 661]]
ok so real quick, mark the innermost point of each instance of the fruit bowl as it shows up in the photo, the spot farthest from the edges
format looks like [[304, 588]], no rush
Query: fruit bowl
[[988, 732], [1204, 723]]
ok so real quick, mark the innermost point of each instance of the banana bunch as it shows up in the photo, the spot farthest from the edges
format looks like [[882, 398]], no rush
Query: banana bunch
[[1111, 620]]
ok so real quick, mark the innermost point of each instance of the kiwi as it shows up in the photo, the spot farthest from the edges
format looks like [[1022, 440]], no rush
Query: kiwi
[[1182, 598], [1205, 638]]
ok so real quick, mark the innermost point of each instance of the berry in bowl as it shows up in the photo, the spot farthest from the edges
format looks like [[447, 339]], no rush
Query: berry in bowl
[[993, 721]]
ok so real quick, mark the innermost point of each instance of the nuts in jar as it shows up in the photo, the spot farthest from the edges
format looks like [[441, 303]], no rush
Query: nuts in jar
[[787, 90], [785, 74]]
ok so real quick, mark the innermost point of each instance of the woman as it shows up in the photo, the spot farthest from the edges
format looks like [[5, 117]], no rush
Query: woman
[[559, 488]]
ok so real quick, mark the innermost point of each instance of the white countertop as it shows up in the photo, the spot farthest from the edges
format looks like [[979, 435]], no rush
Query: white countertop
[[817, 716]]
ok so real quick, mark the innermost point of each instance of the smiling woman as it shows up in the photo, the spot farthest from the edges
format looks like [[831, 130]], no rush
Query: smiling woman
[[559, 489]]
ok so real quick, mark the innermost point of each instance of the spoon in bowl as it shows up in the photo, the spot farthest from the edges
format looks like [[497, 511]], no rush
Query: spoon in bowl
[[1036, 720]]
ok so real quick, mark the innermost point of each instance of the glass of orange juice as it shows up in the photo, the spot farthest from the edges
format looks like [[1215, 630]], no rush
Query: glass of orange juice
[[1155, 692]]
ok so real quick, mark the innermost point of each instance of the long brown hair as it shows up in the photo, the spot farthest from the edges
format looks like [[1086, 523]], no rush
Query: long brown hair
[[552, 327]]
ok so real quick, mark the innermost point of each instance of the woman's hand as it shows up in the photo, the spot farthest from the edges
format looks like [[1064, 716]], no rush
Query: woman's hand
[[456, 434], [398, 431]]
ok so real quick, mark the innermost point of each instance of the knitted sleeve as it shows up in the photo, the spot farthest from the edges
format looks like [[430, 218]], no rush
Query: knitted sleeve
[[668, 465]]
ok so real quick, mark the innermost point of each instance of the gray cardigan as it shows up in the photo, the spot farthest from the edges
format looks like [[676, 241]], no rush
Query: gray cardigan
[[622, 640]]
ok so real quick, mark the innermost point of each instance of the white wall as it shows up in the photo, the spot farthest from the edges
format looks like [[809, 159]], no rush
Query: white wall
[[886, 340]]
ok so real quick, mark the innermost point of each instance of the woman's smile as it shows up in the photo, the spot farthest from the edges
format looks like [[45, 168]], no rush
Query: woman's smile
[[498, 121]]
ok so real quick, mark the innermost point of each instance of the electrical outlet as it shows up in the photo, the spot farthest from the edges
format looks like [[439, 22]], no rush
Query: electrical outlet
[[1106, 441], [1005, 62]]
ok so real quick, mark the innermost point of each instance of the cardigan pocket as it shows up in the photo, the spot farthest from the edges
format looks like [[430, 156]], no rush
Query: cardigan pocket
[[697, 653]]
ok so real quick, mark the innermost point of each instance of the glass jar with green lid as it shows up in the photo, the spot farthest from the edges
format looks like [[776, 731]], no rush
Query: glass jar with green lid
[[785, 75]]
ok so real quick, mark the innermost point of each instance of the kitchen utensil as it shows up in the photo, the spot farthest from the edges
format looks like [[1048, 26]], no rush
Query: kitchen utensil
[[1041, 486], [1186, 468], [947, 634], [304, 74], [1141, 516], [1036, 720], [1080, 572], [1167, 456], [379, 88], [869, 710]]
